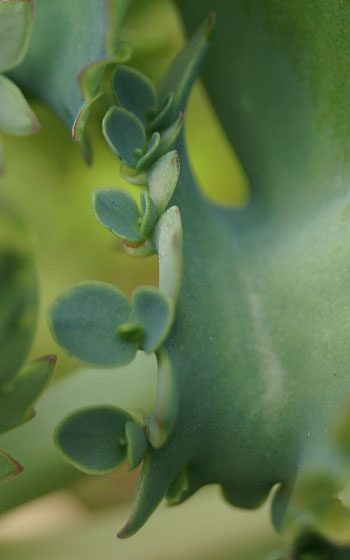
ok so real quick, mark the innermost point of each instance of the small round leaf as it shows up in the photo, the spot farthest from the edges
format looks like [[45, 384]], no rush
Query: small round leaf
[[84, 321], [93, 439], [124, 133], [134, 91], [117, 211]]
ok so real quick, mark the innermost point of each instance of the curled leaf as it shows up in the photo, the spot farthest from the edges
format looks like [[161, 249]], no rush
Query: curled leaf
[[161, 422], [149, 214], [151, 152], [137, 444], [154, 311]]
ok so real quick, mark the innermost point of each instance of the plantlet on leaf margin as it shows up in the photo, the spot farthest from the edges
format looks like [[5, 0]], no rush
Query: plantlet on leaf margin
[[93, 321]]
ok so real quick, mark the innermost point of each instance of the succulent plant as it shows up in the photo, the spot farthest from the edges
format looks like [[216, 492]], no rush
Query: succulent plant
[[249, 322]]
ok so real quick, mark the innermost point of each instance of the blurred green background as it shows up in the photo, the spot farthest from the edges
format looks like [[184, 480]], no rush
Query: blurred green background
[[48, 183]]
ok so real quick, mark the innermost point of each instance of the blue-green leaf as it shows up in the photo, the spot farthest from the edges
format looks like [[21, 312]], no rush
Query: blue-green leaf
[[168, 242], [134, 91], [169, 136], [16, 117], [137, 444], [117, 211], [184, 70], [84, 321], [160, 119], [151, 152], [161, 422], [132, 175], [154, 311], [93, 439], [15, 28], [124, 133], [17, 399], [70, 47], [149, 214], [162, 179]]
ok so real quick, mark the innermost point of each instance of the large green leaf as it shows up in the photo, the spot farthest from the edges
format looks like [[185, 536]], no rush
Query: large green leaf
[[255, 367], [71, 45], [259, 348]]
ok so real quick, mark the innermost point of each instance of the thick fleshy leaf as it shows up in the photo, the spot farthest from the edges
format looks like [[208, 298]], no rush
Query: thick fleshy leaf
[[124, 133], [147, 248], [134, 91], [84, 321], [162, 179], [168, 241], [132, 175], [137, 444], [79, 125], [160, 120], [17, 399], [93, 439], [169, 136], [149, 214], [18, 295], [154, 311], [117, 211], [161, 422], [16, 117], [151, 152], [184, 70], [15, 28], [8, 466]]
